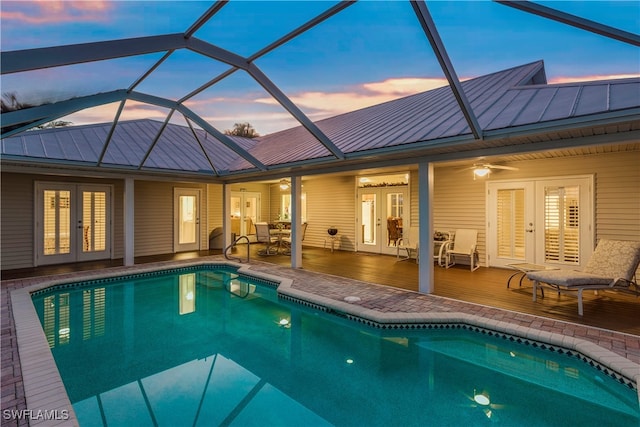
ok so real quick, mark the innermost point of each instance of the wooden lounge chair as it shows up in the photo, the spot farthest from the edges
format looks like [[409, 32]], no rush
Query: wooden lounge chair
[[612, 266]]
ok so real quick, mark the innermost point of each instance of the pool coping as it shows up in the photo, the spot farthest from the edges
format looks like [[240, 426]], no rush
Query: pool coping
[[45, 392]]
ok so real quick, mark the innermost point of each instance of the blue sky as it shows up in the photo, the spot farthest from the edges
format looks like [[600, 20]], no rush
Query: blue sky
[[369, 53]]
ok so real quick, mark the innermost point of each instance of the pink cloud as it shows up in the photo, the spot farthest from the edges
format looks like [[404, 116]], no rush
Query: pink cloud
[[53, 12]]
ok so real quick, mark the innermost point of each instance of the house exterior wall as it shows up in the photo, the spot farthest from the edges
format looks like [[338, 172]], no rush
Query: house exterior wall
[[459, 202], [17, 217], [154, 213]]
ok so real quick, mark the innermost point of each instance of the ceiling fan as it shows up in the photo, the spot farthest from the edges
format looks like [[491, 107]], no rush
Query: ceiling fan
[[484, 169]]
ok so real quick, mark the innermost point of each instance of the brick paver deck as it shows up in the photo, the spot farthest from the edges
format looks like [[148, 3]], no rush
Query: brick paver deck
[[376, 302]]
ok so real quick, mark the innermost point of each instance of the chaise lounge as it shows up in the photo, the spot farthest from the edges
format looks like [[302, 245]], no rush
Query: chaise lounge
[[612, 266]]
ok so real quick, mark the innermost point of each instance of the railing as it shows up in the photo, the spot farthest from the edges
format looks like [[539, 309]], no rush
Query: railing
[[232, 245]]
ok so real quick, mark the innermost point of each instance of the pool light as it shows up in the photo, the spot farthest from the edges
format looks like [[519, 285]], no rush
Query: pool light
[[284, 323], [481, 398]]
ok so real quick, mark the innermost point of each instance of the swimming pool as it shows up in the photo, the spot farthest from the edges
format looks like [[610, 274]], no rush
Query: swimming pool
[[199, 346]]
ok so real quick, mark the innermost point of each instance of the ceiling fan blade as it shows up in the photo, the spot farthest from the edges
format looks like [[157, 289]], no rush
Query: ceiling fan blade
[[509, 168]]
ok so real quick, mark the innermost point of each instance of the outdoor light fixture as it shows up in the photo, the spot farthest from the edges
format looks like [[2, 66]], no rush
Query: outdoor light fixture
[[284, 184]]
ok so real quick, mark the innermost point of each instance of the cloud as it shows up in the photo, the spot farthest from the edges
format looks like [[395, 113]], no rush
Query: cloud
[[576, 79], [326, 104], [53, 12]]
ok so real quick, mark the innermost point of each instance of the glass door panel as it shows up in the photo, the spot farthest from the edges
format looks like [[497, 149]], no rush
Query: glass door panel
[[381, 216], [187, 219], [510, 234], [72, 222], [94, 223]]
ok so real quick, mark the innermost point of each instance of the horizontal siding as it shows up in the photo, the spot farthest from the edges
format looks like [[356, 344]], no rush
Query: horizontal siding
[[17, 226], [17, 221], [460, 202], [214, 206], [331, 203], [154, 221]]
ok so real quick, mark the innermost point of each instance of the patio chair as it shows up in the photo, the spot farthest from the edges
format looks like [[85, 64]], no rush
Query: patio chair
[[263, 235], [393, 231], [409, 243], [464, 243], [612, 266], [286, 240]]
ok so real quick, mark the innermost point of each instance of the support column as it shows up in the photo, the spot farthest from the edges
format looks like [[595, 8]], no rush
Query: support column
[[425, 207], [226, 216], [296, 222], [129, 221]]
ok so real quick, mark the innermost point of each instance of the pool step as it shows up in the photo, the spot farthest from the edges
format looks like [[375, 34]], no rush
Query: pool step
[[215, 279]]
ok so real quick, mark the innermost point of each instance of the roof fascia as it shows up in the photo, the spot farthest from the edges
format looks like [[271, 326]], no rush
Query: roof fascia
[[47, 57], [430, 30], [58, 109], [574, 21], [419, 157]]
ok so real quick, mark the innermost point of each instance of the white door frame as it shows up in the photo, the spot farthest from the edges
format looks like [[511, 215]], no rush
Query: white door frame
[[528, 220], [380, 245], [242, 210], [77, 229], [192, 222], [534, 218]]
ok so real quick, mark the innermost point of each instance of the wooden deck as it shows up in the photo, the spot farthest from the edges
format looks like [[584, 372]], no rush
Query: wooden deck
[[487, 286]]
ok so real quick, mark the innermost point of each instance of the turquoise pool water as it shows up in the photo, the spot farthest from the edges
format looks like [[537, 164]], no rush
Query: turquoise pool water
[[203, 347]]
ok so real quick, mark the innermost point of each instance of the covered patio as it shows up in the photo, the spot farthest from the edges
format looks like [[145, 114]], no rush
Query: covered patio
[[614, 311]]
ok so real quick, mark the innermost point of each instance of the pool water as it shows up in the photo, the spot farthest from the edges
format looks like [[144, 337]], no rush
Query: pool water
[[204, 347]]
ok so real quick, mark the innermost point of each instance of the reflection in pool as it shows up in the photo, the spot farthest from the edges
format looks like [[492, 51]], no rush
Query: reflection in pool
[[205, 347]]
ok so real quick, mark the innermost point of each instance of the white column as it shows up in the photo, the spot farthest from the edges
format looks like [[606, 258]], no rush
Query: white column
[[129, 220], [425, 208], [226, 216], [296, 222]]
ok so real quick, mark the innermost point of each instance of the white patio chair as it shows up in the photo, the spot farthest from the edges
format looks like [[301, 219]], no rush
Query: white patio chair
[[464, 243], [264, 236], [409, 243], [612, 266]]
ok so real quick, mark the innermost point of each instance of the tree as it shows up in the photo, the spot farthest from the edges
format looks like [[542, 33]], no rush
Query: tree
[[10, 102], [242, 129]]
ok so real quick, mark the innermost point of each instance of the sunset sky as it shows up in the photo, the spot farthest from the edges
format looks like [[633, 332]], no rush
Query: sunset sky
[[369, 53]]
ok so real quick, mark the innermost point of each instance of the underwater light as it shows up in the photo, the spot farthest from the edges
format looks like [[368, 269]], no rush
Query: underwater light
[[481, 399], [283, 322]]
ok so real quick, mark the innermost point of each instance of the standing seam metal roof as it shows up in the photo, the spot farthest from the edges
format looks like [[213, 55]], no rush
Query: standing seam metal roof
[[501, 100]]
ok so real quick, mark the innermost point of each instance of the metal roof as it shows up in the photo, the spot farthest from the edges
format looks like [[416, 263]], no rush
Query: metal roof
[[480, 113]]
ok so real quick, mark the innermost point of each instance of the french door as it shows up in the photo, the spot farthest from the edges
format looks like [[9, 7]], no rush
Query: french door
[[245, 212], [73, 222], [546, 222], [186, 209], [382, 211]]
